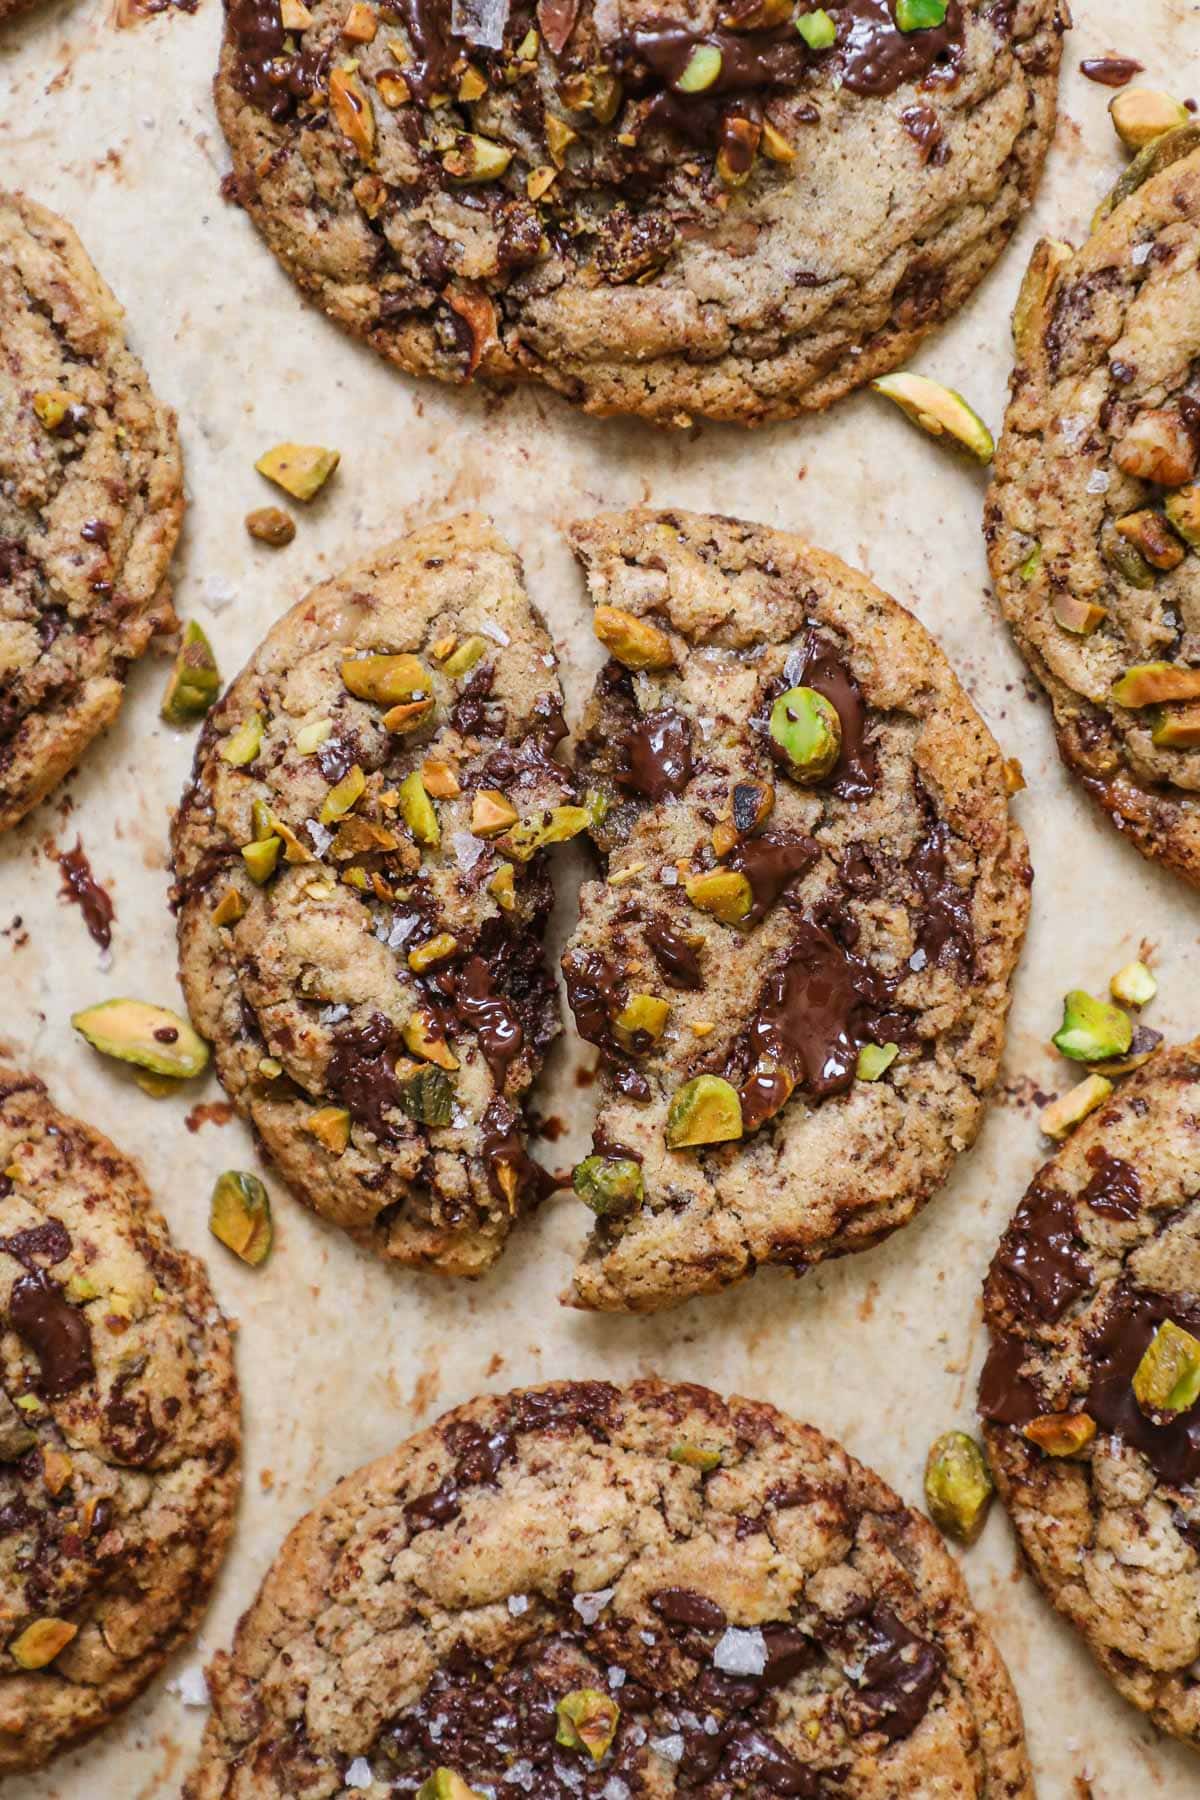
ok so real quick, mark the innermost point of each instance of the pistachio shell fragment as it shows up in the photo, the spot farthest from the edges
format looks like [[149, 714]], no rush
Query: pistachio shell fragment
[[1150, 684], [609, 1184], [587, 1720], [1183, 510], [262, 858], [1140, 115], [702, 69], [444, 1784], [806, 729], [725, 893], [1060, 1118], [958, 1486], [301, 470], [428, 1096], [642, 1016], [634, 642], [1092, 1029], [41, 1642], [705, 1110], [1060, 1434], [239, 1215], [462, 660], [243, 745], [939, 411], [343, 797], [1167, 1380], [387, 679], [695, 1456], [874, 1060], [817, 29], [194, 681], [153, 1037], [1133, 985], [330, 1125]]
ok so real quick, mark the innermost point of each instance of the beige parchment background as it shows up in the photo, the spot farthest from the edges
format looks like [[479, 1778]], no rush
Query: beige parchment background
[[340, 1358]]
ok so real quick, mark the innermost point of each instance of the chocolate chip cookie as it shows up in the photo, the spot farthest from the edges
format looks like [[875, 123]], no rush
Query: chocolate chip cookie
[[584, 1589], [739, 213], [797, 968], [119, 1438], [91, 499], [1090, 1389], [362, 891], [1094, 516]]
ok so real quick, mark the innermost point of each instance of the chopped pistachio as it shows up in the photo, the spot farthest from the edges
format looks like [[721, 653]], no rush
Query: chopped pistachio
[[1167, 1380], [635, 643], [502, 888], [1158, 447], [229, 908], [1133, 985], [740, 138], [343, 797], [351, 111], [1060, 1434], [418, 811], [1060, 1118], [1167, 148], [330, 1125], [920, 15], [539, 181], [725, 893], [939, 411], [1092, 1029], [527, 49], [57, 1471], [387, 679], [473, 86], [695, 1456], [475, 158], [444, 1784], [153, 1037], [294, 15], [587, 1720], [271, 525], [392, 89], [310, 737], [775, 147], [1150, 684], [262, 858], [408, 716], [301, 470], [239, 1215], [80, 1290], [609, 1184], [39, 1643], [1177, 728], [1125, 559], [1146, 1043], [559, 137], [491, 813], [28, 1403], [440, 778], [270, 825], [243, 745], [643, 1015], [1183, 510], [53, 405], [703, 68], [194, 681], [1032, 564], [1140, 115], [817, 29], [461, 661], [958, 1486], [428, 1096], [1078, 616], [270, 1068], [1149, 533], [423, 1037], [360, 24], [807, 729], [1014, 776], [705, 1110], [874, 1061], [751, 804], [435, 950], [558, 827]]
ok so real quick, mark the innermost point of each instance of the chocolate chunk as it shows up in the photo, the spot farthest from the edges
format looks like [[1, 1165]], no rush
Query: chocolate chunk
[[676, 957], [489, 1015], [1007, 1397], [1114, 1191], [878, 58], [1039, 1266], [56, 1332], [1115, 1348], [361, 1073], [770, 864], [901, 1673], [655, 758], [945, 928], [81, 886], [683, 1606], [1110, 71]]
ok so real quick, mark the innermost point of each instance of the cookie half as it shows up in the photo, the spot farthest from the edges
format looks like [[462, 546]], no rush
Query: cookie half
[[91, 500], [362, 893], [1093, 518], [119, 1434], [664, 216], [815, 965], [583, 1589], [1097, 1460]]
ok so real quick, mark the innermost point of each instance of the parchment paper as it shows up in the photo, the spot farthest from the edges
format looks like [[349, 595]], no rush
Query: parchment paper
[[340, 1357]]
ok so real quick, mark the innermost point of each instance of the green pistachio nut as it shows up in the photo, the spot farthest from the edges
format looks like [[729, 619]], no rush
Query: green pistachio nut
[[939, 411], [958, 1486], [807, 730], [609, 1184], [695, 1456], [642, 1016], [261, 858], [702, 70], [817, 29], [920, 15], [343, 797], [1133, 985], [195, 680], [418, 811], [428, 1096], [243, 745], [1125, 559], [1092, 1030], [725, 893], [463, 659], [1167, 1380], [587, 1720], [387, 680], [1169, 147], [1031, 567], [705, 1110], [874, 1060], [1183, 510], [239, 1215], [444, 1784], [557, 827], [153, 1037]]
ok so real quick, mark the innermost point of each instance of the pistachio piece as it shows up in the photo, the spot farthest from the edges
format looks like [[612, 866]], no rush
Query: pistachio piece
[[423, 1037], [725, 893], [1167, 1380], [643, 1016], [539, 181], [759, 15], [271, 525], [294, 15], [351, 111], [1178, 728], [609, 1184], [1150, 684], [1183, 510], [695, 1456], [1050, 255], [740, 138], [1125, 559], [475, 159], [268, 824], [705, 1110], [750, 805], [194, 681], [343, 797], [418, 811], [392, 89], [702, 69], [806, 729], [229, 908], [461, 661], [1060, 1118], [57, 1471], [262, 858], [1133, 985], [301, 470], [153, 1037], [54, 407], [309, 738], [558, 827], [360, 24], [1031, 567], [1150, 534], [939, 411], [634, 642], [1157, 447], [330, 1125], [428, 1096], [775, 147], [243, 745], [1140, 115], [958, 1486], [1157, 155], [444, 1784], [239, 1215], [502, 888], [874, 1061], [491, 813], [440, 778], [41, 1642], [559, 137], [1092, 1029], [1078, 616], [817, 29], [1060, 1434], [434, 950], [920, 15], [387, 679], [587, 1720], [472, 87]]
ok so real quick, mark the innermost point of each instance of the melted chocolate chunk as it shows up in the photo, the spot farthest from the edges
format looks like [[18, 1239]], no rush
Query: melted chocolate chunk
[[877, 57], [81, 886], [56, 1332], [683, 1606], [857, 768], [925, 129], [502, 1146], [470, 709], [770, 864], [901, 1674], [945, 928], [1114, 1190], [1007, 1397], [361, 1073], [478, 1459], [490, 1016], [1039, 1267], [50, 1240], [264, 72], [1114, 1350], [594, 995], [1110, 71], [678, 959], [655, 757], [427, 23]]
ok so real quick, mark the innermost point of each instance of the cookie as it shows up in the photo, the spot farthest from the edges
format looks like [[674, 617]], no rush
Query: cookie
[[674, 218], [91, 500], [818, 957], [119, 1436], [362, 891], [584, 1589], [1098, 1463], [1093, 518]]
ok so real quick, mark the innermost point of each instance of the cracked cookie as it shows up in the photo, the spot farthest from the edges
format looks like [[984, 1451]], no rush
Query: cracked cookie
[[91, 500], [739, 214], [1093, 519], [362, 893], [119, 1436], [797, 968], [621, 1593], [1090, 1389]]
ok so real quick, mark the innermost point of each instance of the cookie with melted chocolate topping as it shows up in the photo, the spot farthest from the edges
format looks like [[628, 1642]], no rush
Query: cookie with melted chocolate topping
[[882, 904], [119, 1435], [367, 965], [671, 215], [1093, 519], [773, 1622], [91, 500], [1102, 1252]]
